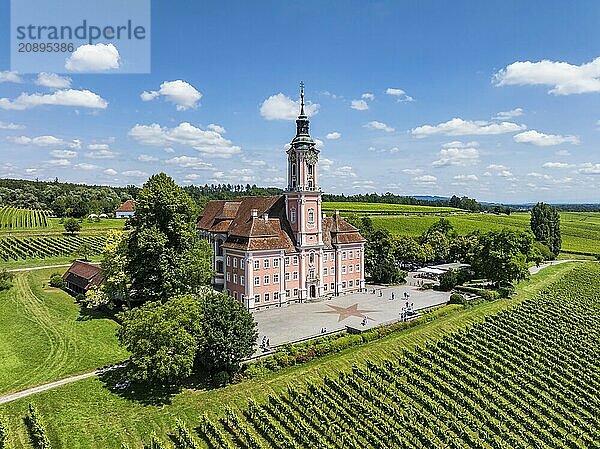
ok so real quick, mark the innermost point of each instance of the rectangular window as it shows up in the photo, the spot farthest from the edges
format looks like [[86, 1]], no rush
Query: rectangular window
[[242, 264], [256, 280], [295, 292], [350, 283], [295, 260], [332, 286], [256, 298], [351, 254], [357, 253], [332, 271], [287, 276], [267, 297], [295, 275], [267, 263], [235, 262], [275, 296], [287, 261], [235, 295], [287, 293], [275, 278], [343, 284], [228, 260], [257, 264], [343, 269], [350, 268], [311, 274], [276, 262], [343, 255], [266, 279], [228, 276], [242, 280], [324, 271], [234, 277], [358, 268]]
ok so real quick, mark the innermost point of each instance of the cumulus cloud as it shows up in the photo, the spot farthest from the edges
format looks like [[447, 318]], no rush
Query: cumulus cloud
[[110, 172], [101, 153], [93, 58], [563, 153], [4, 125], [426, 179], [470, 178], [189, 162], [179, 92], [8, 76], [460, 127], [282, 107], [507, 115], [66, 97], [63, 154], [205, 141], [53, 80], [457, 154], [59, 163], [378, 125], [589, 169], [86, 166], [412, 171], [333, 135], [544, 140], [392, 150], [557, 165], [134, 173], [400, 94], [368, 96], [98, 146], [359, 105], [46, 141], [216, 128], [147, 158], [564, 78]]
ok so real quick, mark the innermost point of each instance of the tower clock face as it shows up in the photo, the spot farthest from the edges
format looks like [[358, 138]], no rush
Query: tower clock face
[[312, 157]]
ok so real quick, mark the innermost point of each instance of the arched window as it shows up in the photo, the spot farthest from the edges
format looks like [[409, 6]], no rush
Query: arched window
[[311, 258], [311, 215], [293, 215]]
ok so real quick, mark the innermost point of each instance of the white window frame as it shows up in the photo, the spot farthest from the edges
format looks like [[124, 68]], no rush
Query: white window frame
[[276, 262], [257, 281], [266, 279], [267, 263], [257, 264]]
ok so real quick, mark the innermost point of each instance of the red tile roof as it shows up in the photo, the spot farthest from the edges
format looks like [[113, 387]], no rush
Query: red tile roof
[[127, 206]]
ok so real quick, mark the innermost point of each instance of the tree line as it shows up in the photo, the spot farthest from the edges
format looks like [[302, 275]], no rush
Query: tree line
[[464, 202]]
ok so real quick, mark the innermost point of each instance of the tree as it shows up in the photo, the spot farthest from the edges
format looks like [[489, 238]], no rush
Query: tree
[[380, 262], [3, 433], [6, 278], [163, 338], [502, 256], [72, 225], [463, 247], [439, 242], [407, 250], [164, 255], [84, 250], [229, 333], [545, 225]]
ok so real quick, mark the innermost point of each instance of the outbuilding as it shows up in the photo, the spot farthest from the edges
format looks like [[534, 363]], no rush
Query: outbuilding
[[126, 210], [81, 276]]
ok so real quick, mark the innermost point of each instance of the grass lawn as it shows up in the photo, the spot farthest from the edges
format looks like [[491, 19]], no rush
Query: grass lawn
[[385, 208], [580, 230], [85, 414], [47, 261], [44, 337], [56, 227]]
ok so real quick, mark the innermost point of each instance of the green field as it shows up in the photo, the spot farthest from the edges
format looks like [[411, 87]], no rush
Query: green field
[[55, 226], [12, 218], [87, 415], [44, 337], [385, 208], [580, 230]]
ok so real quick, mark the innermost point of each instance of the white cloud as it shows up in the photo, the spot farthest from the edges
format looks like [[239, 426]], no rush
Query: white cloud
[[216, 128], [471, 178], [589, 169], [59, 163], [379, 125], [564, 78], [86, 166], [392, 150], [563, 153], [541, 139], [333, 135], [412, 171], [63, 154], [181, 93], [10, 77], [359, 105], [497, 167], [134, 173], [368, 96], [93, 58], [4, 125], [458, 154], [319, 143], [68, 97], [110, 172], [53, 80], [399, 94], [46, 141], [98, 146], [253, 162], [325, 164], [147, 158], [426, 179], [282, 107], [460, 127], [168, 150], [205, 141], [507, 115], [189, 162], [538, 175], [557, 165], [505, 174], [102, 154]]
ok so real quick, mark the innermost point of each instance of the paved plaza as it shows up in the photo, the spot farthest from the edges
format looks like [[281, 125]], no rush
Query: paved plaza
[[298, 321]]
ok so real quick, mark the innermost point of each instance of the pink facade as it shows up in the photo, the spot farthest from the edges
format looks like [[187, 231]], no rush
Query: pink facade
[[272, 251]]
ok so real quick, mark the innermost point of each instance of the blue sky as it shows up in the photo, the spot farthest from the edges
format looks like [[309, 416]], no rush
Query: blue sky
[[495, 101]]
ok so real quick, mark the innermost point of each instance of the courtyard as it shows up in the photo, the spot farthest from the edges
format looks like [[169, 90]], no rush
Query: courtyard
[[307, 320]]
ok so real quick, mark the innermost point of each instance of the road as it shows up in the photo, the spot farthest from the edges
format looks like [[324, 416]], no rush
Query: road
[[46, 267]]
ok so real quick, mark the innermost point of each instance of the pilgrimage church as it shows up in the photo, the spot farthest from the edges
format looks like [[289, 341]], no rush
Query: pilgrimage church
[[274, 250]]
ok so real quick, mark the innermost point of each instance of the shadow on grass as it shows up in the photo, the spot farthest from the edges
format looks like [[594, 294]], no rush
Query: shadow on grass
[[87, 313], [118, 381]]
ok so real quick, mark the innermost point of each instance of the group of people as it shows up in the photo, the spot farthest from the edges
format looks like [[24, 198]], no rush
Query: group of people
[[265, 344], [407, 310], [323, 330]]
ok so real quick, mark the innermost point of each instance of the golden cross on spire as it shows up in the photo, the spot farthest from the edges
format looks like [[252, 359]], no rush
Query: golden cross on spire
[[301, 97]]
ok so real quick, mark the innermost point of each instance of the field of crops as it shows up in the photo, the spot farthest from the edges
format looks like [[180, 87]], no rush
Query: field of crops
[[527, 377], [580, 230], [385, 208], [13, 218], [38, 247]]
